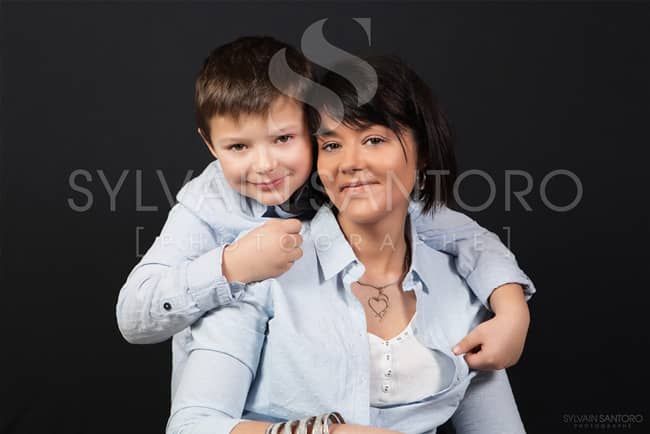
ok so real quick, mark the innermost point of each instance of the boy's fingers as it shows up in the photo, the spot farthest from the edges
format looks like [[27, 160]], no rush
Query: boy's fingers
[[291, 241], [467, 344], [475, 360], [292, 226], [295, 254]]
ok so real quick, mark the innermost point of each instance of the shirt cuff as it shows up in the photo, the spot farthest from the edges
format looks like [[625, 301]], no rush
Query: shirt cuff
[[207, 285], [204, 425], [483, 284]]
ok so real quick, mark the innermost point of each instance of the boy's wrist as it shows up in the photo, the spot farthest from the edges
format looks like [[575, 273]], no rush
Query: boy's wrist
[[508, 298], [229, 266]]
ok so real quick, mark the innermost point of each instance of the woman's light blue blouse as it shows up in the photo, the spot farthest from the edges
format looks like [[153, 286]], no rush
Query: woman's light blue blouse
[[297, 345]]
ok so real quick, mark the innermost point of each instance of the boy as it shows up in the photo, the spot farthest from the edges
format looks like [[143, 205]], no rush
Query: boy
[[218, 237]]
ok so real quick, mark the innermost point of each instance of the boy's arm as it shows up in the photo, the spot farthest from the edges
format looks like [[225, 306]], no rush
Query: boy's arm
[[481, 259], [190, 270], [177, 280], [492, 273], [498, 342]]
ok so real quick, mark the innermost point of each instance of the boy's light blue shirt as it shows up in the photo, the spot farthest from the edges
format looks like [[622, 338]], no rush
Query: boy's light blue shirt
[[300, 343], [179, 279]]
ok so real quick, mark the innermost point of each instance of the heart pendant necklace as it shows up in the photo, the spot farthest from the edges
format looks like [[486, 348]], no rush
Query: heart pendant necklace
[[380, 303]]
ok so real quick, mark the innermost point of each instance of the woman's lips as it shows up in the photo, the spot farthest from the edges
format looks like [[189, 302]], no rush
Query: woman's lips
[[355, 188], [271, 185]]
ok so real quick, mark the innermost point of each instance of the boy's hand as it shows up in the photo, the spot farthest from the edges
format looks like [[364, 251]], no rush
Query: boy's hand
[[264, 252], [498, 342]]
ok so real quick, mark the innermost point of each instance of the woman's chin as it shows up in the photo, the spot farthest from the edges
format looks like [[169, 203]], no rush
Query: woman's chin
[[362, 213]]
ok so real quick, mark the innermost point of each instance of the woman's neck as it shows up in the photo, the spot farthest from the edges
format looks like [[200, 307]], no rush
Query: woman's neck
[[380, 246]]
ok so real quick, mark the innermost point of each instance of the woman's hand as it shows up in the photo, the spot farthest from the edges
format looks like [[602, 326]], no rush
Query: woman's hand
[[256, 427], [347, 428]]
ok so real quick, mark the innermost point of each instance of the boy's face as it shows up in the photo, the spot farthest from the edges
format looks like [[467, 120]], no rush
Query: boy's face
[[266, 158]]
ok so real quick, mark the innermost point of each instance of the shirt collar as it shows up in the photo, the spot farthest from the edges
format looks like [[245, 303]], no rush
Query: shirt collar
[[335, 253]]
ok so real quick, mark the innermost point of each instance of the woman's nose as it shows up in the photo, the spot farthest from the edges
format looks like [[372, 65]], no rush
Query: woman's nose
[[351, 160]]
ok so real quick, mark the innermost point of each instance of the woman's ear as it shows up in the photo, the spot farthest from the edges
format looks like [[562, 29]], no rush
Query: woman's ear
[[206, 140]]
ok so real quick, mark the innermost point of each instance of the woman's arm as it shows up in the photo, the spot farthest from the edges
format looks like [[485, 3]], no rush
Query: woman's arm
[[211, 395], [226, 346], [224, 354], [488, 407]]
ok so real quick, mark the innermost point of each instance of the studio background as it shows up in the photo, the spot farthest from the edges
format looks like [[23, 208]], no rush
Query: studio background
[[106, 88]]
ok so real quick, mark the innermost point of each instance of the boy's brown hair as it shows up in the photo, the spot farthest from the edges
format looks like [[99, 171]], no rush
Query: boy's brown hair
[[235, 79]]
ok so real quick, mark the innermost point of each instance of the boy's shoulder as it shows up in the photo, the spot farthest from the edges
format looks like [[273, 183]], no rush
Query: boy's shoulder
[[210, 197]]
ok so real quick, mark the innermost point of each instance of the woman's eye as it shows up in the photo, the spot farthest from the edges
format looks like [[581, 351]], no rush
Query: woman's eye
[[375, 140], [237, 147], [285, 138], [330, 146]]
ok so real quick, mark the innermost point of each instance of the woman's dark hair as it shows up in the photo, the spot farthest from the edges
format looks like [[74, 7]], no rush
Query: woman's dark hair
[[402, 101]]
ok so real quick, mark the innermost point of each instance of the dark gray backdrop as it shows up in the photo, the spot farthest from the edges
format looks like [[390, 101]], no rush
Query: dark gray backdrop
[[108, 86]]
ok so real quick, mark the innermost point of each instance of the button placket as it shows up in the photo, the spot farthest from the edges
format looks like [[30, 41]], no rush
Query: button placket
[[388, 370]]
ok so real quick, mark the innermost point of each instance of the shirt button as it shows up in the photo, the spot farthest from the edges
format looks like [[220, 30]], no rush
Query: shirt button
[[167, 306], [387, 356], [389, 372], [385, 388]]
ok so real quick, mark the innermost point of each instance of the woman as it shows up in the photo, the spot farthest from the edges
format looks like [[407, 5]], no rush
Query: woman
[[364, 322]]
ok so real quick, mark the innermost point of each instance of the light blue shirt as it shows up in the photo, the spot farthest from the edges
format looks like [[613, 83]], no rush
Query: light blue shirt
[[297, 345], [179, 278]]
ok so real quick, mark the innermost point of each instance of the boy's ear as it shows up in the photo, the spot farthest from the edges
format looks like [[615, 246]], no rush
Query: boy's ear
[[206, 140]]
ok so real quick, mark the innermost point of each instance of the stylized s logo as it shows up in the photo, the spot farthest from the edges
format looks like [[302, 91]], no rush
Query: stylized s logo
[[319, 51]]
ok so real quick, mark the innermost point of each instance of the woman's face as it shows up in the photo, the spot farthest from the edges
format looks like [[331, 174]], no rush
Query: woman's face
[[366, 173]]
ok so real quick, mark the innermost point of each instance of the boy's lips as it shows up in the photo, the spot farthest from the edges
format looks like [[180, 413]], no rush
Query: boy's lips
[[270, 185]]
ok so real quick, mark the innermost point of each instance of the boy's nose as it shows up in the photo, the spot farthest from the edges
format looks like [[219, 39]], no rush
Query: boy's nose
[[264, 161]]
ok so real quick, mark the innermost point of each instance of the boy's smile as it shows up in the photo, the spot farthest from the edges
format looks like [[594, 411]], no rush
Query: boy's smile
[[264, 157]]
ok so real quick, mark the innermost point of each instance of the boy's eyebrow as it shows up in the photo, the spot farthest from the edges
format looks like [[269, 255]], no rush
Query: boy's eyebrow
[[284, 129], [231, 139]]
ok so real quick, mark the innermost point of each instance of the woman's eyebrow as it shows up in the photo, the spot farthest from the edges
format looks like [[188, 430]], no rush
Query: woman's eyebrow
[[326, 133]]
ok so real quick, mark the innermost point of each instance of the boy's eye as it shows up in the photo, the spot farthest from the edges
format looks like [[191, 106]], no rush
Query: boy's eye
[[237, 147], [328, 147], [284, 138], [375, 140]]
